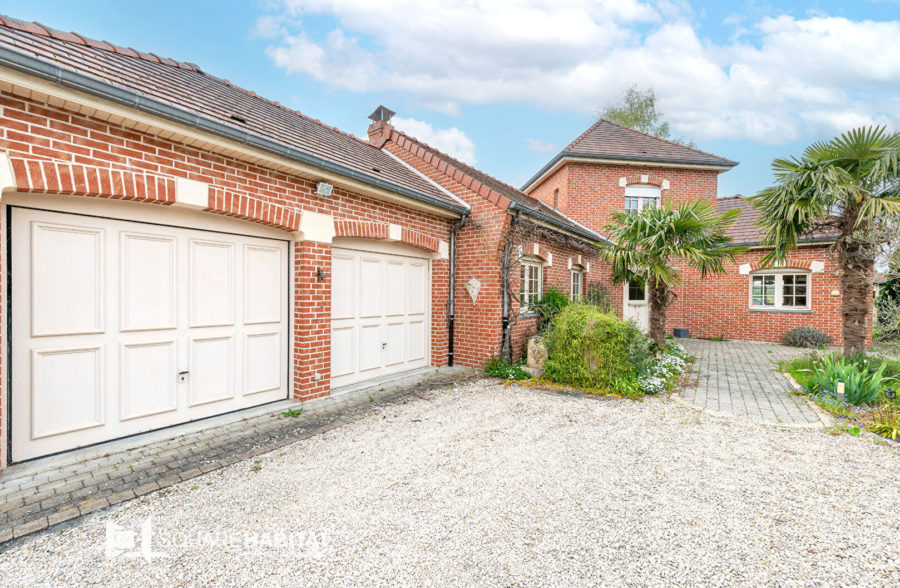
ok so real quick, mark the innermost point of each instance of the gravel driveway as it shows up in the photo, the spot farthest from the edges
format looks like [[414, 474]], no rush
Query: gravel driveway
[[486, 485]]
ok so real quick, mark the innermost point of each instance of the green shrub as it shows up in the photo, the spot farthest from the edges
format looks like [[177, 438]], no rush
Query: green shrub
[[550, 305], [499, 368], [886, 422], [807, 337], [596, 295], [595, 351], [861, 386]]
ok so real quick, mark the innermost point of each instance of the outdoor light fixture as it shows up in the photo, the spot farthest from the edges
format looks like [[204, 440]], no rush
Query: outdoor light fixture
[[890, 393], [320, 273], [324, 189]]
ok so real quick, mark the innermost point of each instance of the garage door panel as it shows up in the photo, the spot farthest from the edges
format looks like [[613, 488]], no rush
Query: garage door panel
[[396, 343], [417, 291], [370, 340], [371, 287], [343, 344], [262, 284], [396, 288], [148, 282], [66, 279], [212, 361], [262, 367], [212, 283], [148, 373], [416, 339], [67, 391], [342, 272]]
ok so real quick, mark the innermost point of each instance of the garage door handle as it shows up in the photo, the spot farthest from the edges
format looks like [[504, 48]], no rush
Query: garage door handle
[[184, 373], [384, 345]]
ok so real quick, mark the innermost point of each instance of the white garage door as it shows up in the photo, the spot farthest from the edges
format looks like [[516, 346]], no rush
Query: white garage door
[[379, 314], [122, 327]]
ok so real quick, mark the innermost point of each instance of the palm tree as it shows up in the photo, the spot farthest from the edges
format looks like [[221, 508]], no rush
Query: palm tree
[[847, 188], [648, 245]]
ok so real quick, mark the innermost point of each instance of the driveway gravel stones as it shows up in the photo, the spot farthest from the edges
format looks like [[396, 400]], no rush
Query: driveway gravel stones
[[492, 485]]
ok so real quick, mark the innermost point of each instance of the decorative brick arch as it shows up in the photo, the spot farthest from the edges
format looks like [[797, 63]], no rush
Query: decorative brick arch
[[386, 232], [794, 265], [662, 183], [46, 176]]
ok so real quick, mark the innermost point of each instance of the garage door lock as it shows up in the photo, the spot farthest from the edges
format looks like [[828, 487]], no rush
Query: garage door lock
[[182, 377]]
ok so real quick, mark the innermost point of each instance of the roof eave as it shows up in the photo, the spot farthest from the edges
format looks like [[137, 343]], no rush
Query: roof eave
[[73, 80], [576, 155], [588, 236]]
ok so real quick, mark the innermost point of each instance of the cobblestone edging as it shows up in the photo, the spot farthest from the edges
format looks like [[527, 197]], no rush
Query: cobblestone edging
[[48, 498]]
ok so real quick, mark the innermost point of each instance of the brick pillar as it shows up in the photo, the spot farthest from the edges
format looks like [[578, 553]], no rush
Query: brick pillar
[[312, 320], [440, 294]]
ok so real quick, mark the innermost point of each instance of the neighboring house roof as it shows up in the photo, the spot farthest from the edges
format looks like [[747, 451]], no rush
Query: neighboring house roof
[[490, 187], [610, 141], [746, 229], [184, 92]]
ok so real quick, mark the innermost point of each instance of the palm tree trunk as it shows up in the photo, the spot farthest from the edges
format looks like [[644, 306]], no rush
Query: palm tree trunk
[[659, 303], [856, 302]]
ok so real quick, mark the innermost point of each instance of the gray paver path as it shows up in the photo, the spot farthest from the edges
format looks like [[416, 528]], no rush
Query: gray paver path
[[741, 378]]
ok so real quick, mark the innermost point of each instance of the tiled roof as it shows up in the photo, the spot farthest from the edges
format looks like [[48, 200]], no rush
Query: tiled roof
[[608, 139], [522, 200], [187, 88], [746, 229]]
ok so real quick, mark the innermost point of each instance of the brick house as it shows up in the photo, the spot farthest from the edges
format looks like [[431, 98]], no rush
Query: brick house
[[178, 248], [612, 168]]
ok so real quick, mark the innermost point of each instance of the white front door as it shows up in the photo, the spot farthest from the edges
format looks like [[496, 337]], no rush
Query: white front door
[[379, 314], [635, 305], [121, 327]]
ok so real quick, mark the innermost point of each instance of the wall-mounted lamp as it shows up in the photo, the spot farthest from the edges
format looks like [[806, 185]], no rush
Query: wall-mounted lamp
[[320, 274], [324, 189]]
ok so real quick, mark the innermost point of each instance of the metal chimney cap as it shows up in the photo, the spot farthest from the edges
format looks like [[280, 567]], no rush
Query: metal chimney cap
[[383, 114]]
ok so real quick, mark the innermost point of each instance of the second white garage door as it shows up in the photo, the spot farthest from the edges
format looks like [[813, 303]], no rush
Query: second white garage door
[[379, 309]]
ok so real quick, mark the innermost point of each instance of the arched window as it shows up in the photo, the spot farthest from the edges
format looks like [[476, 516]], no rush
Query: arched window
[[640, 196]]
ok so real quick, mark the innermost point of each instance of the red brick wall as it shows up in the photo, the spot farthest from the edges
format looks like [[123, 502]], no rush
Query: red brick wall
[[478, 327], [590, 192], [38, 131], [719, 305]]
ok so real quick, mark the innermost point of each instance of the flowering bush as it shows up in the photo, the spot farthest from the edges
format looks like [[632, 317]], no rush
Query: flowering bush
[[663, 371]]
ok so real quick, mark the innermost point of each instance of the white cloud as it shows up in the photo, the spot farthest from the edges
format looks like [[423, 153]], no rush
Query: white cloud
[[539, 145], [776, 80], [452, 141]]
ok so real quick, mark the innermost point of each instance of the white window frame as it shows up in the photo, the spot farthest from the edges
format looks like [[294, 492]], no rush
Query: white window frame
[[641, 196], [526, 298], [778, 286], [577, 277]]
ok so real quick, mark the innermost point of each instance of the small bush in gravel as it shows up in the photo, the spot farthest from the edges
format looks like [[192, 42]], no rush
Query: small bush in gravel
[[498, 368], [806, 337], [596, 351]]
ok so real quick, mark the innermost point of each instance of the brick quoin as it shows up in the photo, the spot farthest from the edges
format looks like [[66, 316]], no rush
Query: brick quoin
[[59, 151]]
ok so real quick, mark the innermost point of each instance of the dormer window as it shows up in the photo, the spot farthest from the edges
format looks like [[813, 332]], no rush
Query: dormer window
[[641, 196]]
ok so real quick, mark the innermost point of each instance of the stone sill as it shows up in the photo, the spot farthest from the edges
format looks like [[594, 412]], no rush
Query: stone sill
[[782, 310]]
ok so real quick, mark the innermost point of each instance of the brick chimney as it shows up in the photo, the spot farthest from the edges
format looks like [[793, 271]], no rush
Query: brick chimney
[[380, 129]]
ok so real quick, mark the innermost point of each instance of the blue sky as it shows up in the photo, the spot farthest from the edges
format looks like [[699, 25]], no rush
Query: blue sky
[[506, 84]]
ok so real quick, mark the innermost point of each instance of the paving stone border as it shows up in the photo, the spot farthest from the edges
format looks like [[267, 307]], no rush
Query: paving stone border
[[42, 500]]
